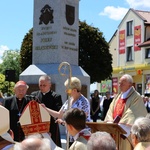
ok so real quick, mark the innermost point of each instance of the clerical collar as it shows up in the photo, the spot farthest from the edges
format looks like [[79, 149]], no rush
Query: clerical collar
[[19, 99], [45, 93], [125, 94]]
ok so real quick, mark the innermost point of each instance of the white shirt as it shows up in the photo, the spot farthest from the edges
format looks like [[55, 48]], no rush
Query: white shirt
[[124, 95]]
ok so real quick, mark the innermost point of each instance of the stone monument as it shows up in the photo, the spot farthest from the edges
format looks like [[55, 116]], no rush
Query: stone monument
[[55, 40]]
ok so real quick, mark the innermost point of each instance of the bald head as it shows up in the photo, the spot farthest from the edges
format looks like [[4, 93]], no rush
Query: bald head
[[125, 82], [33, 143]]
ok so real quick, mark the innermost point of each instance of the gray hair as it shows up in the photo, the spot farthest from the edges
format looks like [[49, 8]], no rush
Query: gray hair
[[141, 129], [36, 143], [75, 83], [148, 115], [45, 77], [101, 141], [128, 78]]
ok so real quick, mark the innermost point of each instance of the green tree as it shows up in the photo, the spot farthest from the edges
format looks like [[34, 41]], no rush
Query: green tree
[[26, 51], [2, 85], [94, 56], [11, 61], [5, 86]]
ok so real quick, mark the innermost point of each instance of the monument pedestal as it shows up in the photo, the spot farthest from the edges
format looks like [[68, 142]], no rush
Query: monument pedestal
[[33, 72]]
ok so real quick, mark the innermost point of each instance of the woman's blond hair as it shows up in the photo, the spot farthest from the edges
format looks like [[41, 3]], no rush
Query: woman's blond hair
[[75, 83]]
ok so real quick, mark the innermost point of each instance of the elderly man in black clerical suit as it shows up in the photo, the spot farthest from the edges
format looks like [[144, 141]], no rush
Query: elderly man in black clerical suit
[[15, 104], [51, 100]]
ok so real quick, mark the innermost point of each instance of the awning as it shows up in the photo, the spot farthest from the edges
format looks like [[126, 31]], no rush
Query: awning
[[131, 68]]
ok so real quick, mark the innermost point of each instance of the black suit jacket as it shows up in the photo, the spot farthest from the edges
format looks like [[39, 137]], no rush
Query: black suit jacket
[[11, 104]]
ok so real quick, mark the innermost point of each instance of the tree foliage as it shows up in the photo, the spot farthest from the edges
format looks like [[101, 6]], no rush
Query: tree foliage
[[5, 86], [2, 83], [26, 51], [11, 61], [94, 56]]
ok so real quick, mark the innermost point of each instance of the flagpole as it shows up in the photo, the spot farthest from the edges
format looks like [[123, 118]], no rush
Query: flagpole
[[63, 68]]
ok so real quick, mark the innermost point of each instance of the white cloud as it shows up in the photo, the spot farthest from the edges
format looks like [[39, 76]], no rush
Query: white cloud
[[115, 13], [137, 4], [2, 49]]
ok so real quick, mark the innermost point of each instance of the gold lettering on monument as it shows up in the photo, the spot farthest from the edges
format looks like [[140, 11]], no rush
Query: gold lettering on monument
[[46, 47], [46, 28], [46, 40], [68, 48], [69, 45], [70, 31], [48, 33]]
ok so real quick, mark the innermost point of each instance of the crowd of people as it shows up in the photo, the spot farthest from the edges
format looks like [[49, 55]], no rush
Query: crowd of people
[[128, 107]]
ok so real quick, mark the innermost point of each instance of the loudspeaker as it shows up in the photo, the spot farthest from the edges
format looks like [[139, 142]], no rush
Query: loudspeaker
[[9, 75]]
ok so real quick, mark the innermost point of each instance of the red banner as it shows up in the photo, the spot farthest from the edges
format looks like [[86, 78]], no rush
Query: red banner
[[122, 42], [115, 85], [137, 37]]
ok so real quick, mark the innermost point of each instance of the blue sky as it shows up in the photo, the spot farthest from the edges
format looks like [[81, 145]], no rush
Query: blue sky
[[17, 18]]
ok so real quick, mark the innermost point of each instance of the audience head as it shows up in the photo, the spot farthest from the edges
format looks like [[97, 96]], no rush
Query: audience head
[[74, 118], [101, 141], [147, 148], [140, 131], [148, 115], [20, 89], [96, 93], [45, 83], [145, 98], [75, 83], [126, 81], [33, 142], [108, 94]]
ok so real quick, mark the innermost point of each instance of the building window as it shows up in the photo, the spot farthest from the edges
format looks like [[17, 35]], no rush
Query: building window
[[129, 54], [147, 53], [129, 28], [139, 88]]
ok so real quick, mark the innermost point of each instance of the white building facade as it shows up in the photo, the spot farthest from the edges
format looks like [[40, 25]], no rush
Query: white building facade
[[130, 49]]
